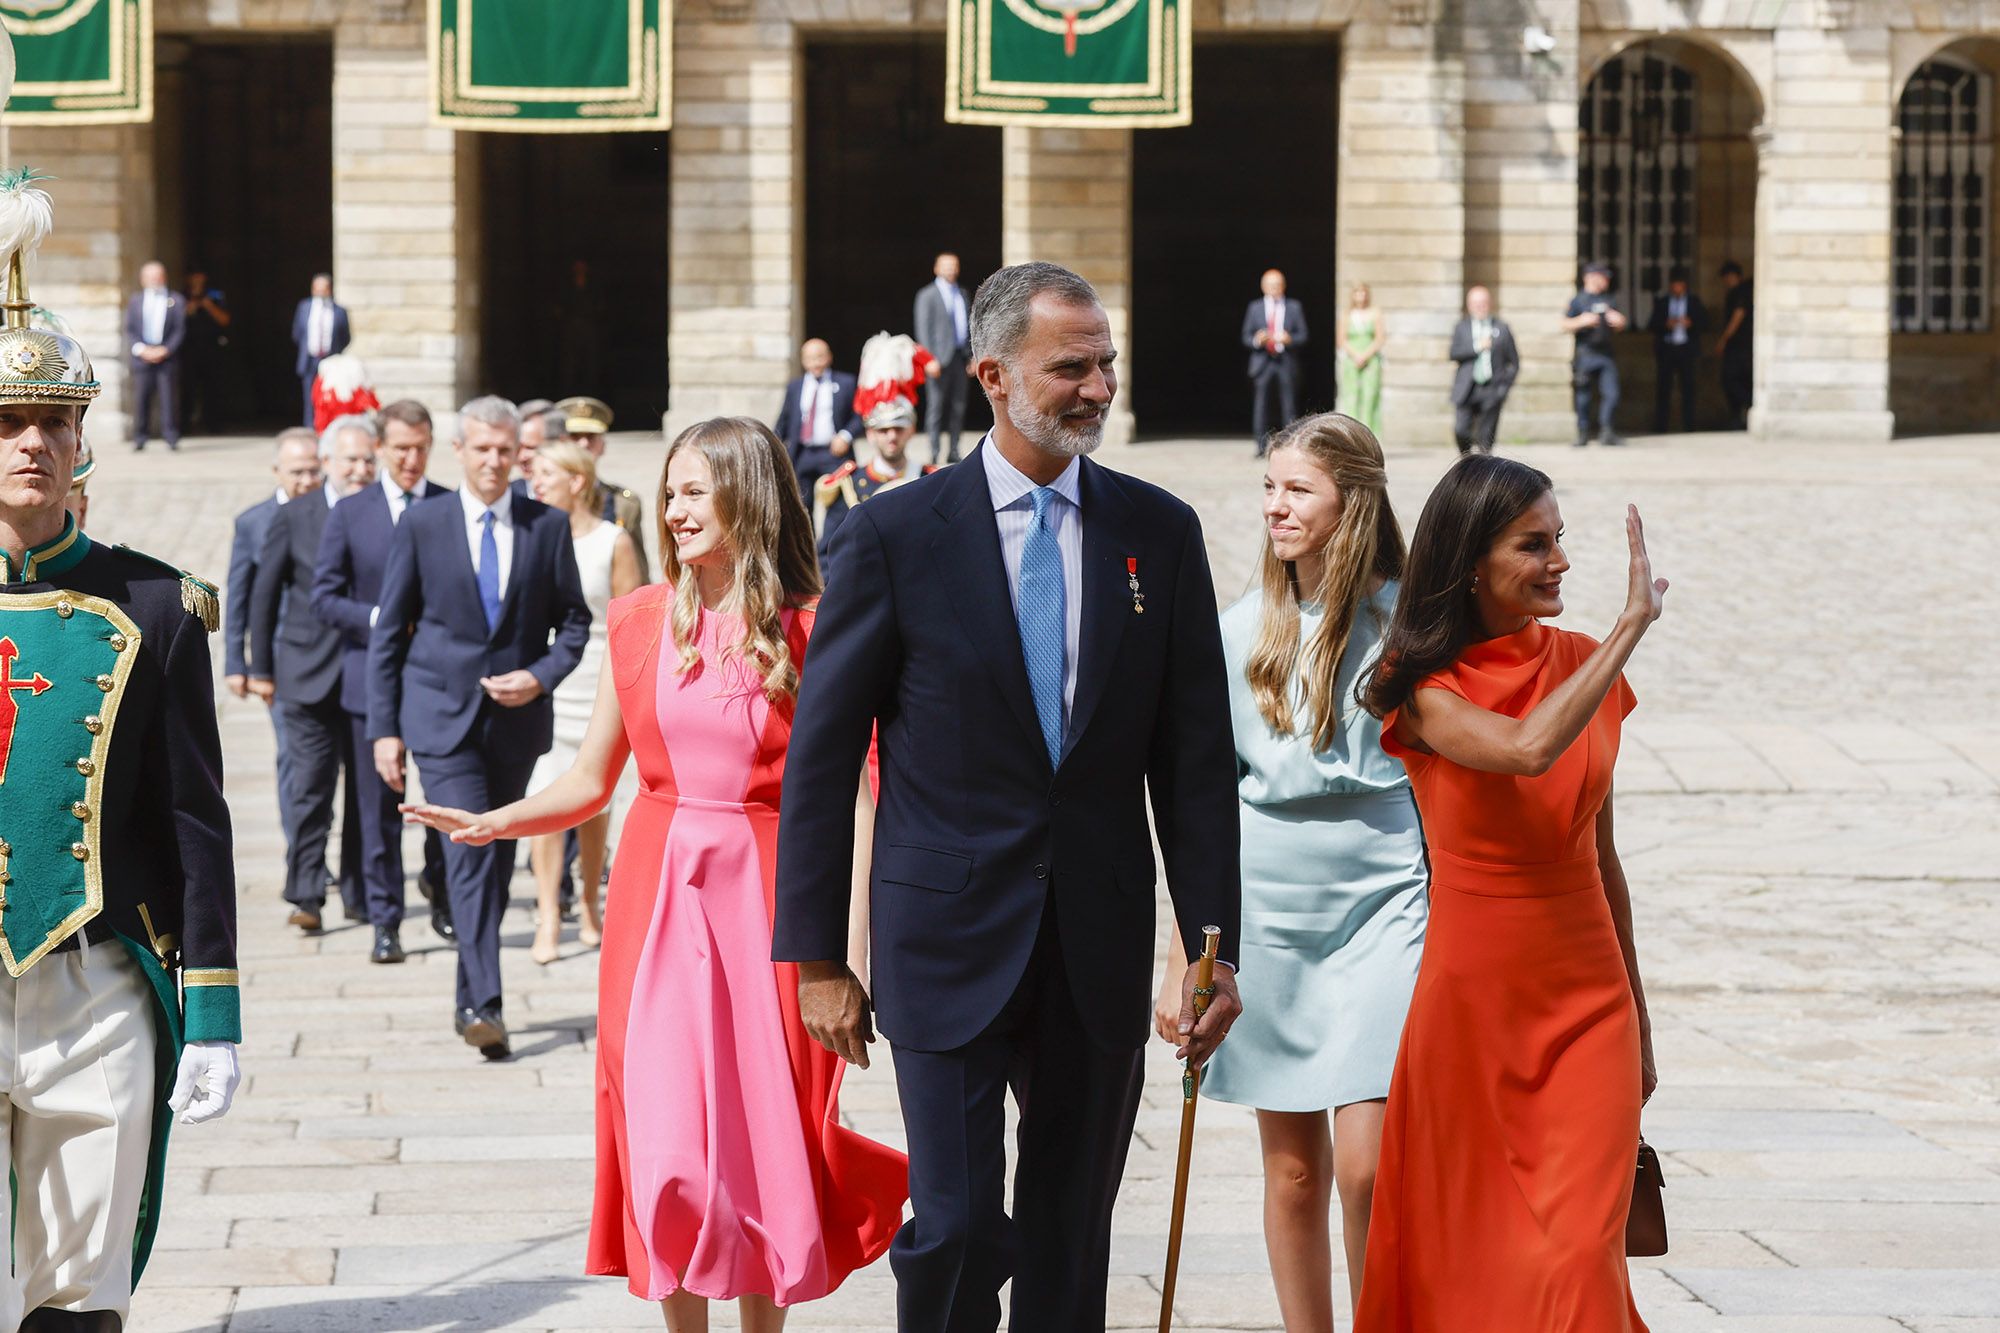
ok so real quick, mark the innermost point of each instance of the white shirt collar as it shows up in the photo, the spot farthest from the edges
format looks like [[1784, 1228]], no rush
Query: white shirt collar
[[392, 490], [502, 509], [1008, 483], [331, 493], [279, 494]]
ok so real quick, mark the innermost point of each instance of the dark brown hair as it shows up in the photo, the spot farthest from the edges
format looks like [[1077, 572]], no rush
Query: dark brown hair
[[409, 412], [1436, 616]]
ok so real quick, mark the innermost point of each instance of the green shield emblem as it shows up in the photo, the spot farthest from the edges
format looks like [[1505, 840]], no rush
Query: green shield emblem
[[64, 661]]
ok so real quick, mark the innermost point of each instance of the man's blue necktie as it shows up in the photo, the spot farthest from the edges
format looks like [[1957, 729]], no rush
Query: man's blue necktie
[[1040, 610], [489, 573]]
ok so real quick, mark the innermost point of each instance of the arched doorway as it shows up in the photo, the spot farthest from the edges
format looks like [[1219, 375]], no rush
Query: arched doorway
[[1944, 348], [1666, 181]]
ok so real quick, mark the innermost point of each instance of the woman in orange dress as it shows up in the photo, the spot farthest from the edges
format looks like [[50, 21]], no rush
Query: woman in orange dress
[[1513, 1118]]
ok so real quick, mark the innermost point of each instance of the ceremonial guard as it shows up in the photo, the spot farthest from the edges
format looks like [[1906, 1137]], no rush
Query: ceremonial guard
[[890, 425], [120, 1003], [586, 421]]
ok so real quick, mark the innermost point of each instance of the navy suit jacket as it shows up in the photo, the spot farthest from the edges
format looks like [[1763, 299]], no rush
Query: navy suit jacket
[[172, 330], [251, 527], [342, 335], [295, 650], [975, 830], [791, 429], [430, 645], [353, 553], [1263, 361]]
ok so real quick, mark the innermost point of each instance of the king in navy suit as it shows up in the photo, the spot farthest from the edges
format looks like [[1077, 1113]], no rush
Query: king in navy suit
[[1035, 637], [481, 616], [347, 583]]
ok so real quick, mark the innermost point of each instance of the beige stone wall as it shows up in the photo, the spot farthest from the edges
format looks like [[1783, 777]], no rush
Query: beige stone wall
[[1520, 204], [1400, 206], [1066, 197]]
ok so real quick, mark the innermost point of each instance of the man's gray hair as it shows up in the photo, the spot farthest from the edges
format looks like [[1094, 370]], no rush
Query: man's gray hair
[[361, 421], [296, 435], [491, 410], [554, 425], [1000, 310]]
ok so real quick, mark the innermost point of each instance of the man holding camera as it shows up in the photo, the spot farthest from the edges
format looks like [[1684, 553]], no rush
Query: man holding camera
[[1593, 317]]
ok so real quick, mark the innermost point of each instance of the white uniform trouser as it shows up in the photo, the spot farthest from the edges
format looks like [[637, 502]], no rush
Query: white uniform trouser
[[76, 1049]]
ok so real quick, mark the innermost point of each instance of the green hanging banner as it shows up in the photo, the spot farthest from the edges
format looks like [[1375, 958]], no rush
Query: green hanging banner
[[1069, 62], [533, 67], [80, 62]]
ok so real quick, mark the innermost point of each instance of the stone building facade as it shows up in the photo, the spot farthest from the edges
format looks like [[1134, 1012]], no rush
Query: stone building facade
[[1460, 156]]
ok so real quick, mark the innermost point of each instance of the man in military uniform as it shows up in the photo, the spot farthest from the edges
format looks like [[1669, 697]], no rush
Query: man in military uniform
[[890, 426], [586, 421], [119, 1005]]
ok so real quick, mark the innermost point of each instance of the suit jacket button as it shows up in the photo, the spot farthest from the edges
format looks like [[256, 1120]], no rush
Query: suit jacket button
[[1041, 871]]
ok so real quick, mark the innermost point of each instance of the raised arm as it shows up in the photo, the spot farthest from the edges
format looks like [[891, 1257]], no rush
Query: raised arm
[[1474, 737]]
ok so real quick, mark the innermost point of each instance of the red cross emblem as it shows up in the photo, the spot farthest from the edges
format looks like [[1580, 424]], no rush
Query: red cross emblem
[[10, 710]]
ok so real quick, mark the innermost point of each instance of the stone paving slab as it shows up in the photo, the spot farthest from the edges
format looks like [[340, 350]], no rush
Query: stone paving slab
[[1809, 810]]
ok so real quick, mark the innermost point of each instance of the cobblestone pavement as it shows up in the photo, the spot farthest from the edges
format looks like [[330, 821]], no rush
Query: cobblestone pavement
[[1808, 805]]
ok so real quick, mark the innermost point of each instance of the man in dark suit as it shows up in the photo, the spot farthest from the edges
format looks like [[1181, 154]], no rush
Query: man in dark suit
[[1273, 328], [295, 668], [155, 326], [1678, 322], [942, 321], [347, 583], [1488, 362], [1072, 611], [817, 421], [296, 469], [482, 615], [320, 329]]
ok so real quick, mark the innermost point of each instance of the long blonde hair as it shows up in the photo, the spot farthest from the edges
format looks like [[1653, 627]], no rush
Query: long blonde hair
[[1366, 543], [767, 532], [576, 461]]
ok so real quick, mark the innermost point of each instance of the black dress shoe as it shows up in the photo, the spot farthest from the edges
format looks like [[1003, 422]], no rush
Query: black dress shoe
[[1580, 442], [441, 921], [483, 1028], [1613, 441], [388, 948], [305, 918], [431, 888]]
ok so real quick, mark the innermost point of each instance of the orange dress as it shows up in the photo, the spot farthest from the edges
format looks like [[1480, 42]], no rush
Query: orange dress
[[1513, 1117]]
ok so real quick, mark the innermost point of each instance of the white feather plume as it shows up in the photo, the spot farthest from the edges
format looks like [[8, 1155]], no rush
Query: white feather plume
[[27, 214]]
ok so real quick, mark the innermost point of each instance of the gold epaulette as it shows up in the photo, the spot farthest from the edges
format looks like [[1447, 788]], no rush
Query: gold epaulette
[[199, 598], [827, 485]]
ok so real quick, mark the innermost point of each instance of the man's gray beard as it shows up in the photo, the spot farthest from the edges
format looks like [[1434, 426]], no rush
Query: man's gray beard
[[1050, 432]]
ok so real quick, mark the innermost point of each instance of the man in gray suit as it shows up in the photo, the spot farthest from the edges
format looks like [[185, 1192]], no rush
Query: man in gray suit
[[943, 326]]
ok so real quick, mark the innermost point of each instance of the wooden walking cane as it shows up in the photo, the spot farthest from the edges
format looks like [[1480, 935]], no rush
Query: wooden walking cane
[[1204, 990]]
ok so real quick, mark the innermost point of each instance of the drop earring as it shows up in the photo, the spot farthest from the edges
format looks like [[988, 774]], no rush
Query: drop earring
[[1475, 584]]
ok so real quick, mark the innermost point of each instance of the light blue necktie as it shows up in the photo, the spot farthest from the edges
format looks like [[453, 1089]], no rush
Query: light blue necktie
[[489, 573], [1040, 609]]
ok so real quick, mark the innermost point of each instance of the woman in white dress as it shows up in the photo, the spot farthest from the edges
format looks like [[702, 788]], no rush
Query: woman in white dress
[[565, 477]]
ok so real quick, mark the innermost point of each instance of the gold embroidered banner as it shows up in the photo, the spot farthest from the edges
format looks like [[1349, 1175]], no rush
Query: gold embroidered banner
[[536, 67], [80, 62], [1069, 62]]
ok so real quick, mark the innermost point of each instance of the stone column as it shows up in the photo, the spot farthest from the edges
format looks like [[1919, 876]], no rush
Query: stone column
[[90, 266], [1066, 197], [1520, 202], [1401, 208], [1823, 270], [736, 220], [404, 241]]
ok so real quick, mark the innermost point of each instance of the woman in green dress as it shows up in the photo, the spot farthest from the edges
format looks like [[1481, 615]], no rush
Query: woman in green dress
[[1361, 338]]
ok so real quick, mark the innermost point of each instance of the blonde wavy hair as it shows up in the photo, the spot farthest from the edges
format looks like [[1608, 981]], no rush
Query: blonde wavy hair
[[769, 536], [574, 460], [1366, 543]]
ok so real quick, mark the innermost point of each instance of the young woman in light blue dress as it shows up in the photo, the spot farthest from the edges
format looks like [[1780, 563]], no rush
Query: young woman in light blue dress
[[1334, 877]]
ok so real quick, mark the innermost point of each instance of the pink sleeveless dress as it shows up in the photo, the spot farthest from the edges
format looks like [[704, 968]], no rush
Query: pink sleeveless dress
[[722, 1166]]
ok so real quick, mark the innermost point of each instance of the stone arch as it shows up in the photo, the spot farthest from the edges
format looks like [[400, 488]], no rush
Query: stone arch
[[1667, 177], [1944, 341]]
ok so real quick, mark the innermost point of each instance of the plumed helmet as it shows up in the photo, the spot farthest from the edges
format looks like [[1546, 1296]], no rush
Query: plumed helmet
[[39, 361]]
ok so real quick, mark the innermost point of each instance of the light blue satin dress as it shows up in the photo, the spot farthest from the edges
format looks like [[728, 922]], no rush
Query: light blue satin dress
[[1334, 891]]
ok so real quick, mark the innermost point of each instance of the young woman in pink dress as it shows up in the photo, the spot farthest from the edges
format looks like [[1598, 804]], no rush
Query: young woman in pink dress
[[723, 1172]]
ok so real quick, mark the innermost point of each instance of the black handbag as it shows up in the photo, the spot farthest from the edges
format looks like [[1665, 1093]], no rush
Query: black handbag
[[1646, 1224]]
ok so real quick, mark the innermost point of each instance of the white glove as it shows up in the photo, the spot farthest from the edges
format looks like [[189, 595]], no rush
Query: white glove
[[206, 1081]]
